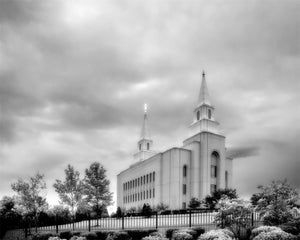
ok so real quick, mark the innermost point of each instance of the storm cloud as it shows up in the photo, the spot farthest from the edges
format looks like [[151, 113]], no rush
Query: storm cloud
[[74, 76]]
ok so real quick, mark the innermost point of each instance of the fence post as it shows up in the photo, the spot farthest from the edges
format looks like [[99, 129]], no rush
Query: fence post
[[252, 219], [89, 222], [190, 217], [56, 224], [122, 221], [25, 228], [156, 218]]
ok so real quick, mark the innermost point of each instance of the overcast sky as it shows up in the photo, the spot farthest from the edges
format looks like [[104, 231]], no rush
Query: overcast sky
[[74, 76]]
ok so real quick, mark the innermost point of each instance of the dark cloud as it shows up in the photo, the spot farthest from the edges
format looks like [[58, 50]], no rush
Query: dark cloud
[[74, 77]]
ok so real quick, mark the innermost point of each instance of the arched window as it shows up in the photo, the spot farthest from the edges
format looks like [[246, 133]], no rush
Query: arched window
[[184, 171], [148, 146], [209, 113], [214, 165], [198, 115]]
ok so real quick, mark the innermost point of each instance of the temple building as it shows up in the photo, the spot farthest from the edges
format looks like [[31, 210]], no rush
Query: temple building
[[196, 169]]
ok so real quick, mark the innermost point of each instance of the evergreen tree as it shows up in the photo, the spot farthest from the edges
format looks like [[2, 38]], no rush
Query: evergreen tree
[[211, 201], [146, 210]]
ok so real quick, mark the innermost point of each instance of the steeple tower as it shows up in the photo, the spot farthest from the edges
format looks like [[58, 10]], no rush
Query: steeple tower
[[204, 120], [145, 143]]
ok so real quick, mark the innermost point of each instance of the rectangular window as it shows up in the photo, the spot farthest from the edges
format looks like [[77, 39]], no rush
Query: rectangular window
[[144, 179], [184, 189], [184, 205], [150, 177], [150, 193], [147, 178], [138, 181], [147, 194], [153, 192], [153, 176], [144, 195], [213, 188]]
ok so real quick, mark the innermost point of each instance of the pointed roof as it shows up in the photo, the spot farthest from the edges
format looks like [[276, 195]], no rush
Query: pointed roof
[[145, 134], [203, 94]]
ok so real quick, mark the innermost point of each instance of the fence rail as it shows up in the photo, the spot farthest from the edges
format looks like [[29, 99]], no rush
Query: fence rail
[[192, 218]]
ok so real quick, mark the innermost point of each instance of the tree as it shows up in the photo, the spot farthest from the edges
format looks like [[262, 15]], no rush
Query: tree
[[194, 203], [275, 202], [96, 188], [8, 214], [146, 210], [161, 207], [70, 191], [234, 214], [211, 201], [29, 195], [119, 213]]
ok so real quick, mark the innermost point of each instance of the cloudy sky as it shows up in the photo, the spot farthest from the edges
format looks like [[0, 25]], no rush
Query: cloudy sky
[[74, 76]]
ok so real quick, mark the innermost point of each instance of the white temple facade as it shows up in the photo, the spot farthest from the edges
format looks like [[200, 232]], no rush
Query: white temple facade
[[173, 177]]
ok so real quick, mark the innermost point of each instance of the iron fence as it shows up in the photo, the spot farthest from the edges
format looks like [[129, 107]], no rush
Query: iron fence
[[191, 218]]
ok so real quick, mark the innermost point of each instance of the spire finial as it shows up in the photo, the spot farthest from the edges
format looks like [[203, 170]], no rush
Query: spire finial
[[203, 74], [145, 108]]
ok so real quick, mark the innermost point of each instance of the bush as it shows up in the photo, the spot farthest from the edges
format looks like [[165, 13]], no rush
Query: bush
[[256, 231], [118, 236], [75, 233], [275, 235], [43, 236], [77, 238], [54, 238], [182, 235], [157, 236], [139, 234], [292, 227], [66, 235], [220, 234], [89, 235], [169, 232], [102, 235], [198, 231]]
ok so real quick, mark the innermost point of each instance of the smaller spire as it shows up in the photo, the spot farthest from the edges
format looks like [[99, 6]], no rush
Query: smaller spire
[[203, 95], [145, 130]]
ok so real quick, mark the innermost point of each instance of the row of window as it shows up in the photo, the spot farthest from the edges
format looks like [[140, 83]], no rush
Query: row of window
[[148, 178], [139, 196]]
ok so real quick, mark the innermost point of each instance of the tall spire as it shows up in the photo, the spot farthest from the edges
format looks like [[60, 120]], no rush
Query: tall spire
[[203, 95], [145, 134]]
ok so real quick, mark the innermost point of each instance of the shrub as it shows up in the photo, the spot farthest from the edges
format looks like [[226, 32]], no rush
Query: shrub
[[66, 234], [169, 232], [220, 234], [43, 236], [118, 236], [54, 238], [275, 235], [139, 234], [292, 227], [75, 233], [182, 235], [77, 238], [198, 231], [256, 231], [102, 235], [89, 235]]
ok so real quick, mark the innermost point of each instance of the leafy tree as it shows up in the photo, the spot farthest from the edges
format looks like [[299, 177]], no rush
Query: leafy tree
[[146, 210], [29, 195], [211, 201], [96, 188], [161, 207], [8, 214], [234, 214], [194, 203], [275, 202], [71, 190]]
